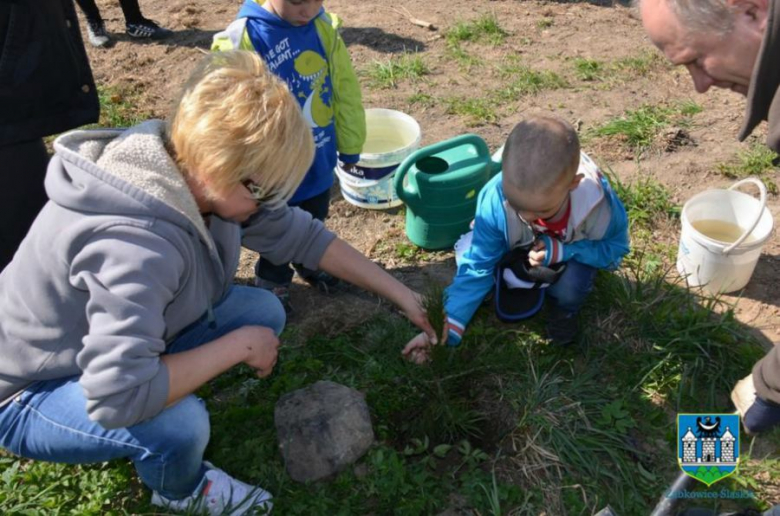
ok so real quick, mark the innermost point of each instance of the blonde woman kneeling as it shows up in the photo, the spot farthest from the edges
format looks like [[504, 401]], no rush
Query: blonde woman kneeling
[[120, 302]]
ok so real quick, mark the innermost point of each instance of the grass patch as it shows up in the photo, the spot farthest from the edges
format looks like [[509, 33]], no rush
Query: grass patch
[[680, 346], [486, 28], [526, 81], [118, 107], [756, 161], [433, 299], [478, 111], [28, 487], [422, 99], [589, 69], [545, 23], [465, 60], [647, 202], [521, 81], [618, 71], [387, 74], [641, 65], [639, 128]]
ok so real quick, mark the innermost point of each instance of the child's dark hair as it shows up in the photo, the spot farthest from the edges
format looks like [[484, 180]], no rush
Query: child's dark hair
[[539, 151]]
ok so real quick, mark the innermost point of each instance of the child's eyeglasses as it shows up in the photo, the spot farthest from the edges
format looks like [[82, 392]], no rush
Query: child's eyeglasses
[[256, 192]]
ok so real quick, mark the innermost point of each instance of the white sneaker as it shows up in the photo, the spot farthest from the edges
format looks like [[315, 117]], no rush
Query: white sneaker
[[98, 37], [220, 494], [744, 394]]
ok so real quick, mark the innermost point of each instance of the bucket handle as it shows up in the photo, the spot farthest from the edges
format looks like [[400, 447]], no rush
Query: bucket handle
[[753, 225]]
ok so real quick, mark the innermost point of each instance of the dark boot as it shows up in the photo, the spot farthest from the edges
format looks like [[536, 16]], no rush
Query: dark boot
[[562, 326]]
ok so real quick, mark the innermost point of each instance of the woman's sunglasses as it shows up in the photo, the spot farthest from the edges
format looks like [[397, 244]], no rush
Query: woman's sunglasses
[[256, 192]]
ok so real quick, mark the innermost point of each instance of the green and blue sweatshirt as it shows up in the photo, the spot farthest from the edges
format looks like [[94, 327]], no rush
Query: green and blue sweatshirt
[[313, 60]]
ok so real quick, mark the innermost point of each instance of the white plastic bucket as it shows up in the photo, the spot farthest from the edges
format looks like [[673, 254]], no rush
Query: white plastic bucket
[[373, 195], [717, 265], [391, 136]]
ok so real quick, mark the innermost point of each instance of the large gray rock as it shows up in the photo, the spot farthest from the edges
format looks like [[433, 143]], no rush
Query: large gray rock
[[322, 429]]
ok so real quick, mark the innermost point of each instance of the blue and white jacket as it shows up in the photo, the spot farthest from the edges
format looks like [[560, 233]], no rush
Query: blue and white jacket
[[596, 235]]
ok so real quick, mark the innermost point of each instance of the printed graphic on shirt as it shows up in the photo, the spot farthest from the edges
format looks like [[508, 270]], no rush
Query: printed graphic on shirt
[[314, 70], [309, 81]]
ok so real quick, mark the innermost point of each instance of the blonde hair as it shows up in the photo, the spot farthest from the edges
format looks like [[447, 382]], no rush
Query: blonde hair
[[236, 121]]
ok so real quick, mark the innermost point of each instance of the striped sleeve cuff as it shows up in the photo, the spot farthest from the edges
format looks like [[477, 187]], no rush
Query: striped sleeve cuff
[[554, 248], [455, 331]]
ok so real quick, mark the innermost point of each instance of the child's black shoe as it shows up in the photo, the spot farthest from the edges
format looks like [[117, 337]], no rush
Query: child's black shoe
[[147, 29], [323, 281], [562, 327]]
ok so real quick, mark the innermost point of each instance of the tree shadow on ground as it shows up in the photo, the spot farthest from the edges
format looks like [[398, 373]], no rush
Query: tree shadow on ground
[[189, 38], [764, 285], [381, 41], [683, 352]]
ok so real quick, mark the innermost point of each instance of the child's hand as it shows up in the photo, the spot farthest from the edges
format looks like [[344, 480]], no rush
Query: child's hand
[[347, 167], [412, 307], [418, 350], [537, 254]]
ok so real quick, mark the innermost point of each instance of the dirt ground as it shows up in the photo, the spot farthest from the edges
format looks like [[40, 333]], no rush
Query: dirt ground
[[544, 36]]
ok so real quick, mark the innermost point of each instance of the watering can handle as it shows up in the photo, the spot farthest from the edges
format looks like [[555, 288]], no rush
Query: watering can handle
[[400, 173], [753, 225]]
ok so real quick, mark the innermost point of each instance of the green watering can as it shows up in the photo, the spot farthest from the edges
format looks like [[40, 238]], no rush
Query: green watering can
[[439, 185]]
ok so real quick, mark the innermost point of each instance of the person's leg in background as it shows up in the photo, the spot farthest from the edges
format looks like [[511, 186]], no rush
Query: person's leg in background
[[135, 24], [567, 296], [22, 194], [318, 206], [277, 278], [96, 28], [90, 10]]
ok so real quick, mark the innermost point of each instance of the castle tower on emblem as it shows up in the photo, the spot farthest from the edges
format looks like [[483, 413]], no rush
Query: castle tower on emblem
[[689, 446], [727, 446]]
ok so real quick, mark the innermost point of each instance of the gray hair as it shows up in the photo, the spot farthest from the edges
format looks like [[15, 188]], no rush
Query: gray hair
[[702, 15]]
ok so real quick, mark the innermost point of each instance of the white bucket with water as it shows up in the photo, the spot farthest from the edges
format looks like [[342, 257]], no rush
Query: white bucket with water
[[723, 232], [391, 136]]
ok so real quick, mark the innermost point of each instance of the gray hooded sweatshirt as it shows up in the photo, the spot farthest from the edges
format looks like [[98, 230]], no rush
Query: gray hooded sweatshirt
[[117, 264]]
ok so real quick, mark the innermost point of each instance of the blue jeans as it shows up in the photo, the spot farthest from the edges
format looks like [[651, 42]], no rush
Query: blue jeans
[[48, 421], [572, 288]]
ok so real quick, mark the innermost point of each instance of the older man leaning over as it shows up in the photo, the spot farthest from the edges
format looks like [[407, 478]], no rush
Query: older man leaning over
[[732, 44]]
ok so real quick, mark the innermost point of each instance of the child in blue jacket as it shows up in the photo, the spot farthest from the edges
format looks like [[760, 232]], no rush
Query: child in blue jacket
[[300, 43], [552, 199]]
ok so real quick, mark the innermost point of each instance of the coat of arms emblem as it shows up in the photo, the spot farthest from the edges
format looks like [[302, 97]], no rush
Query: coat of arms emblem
[[708, 445]]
